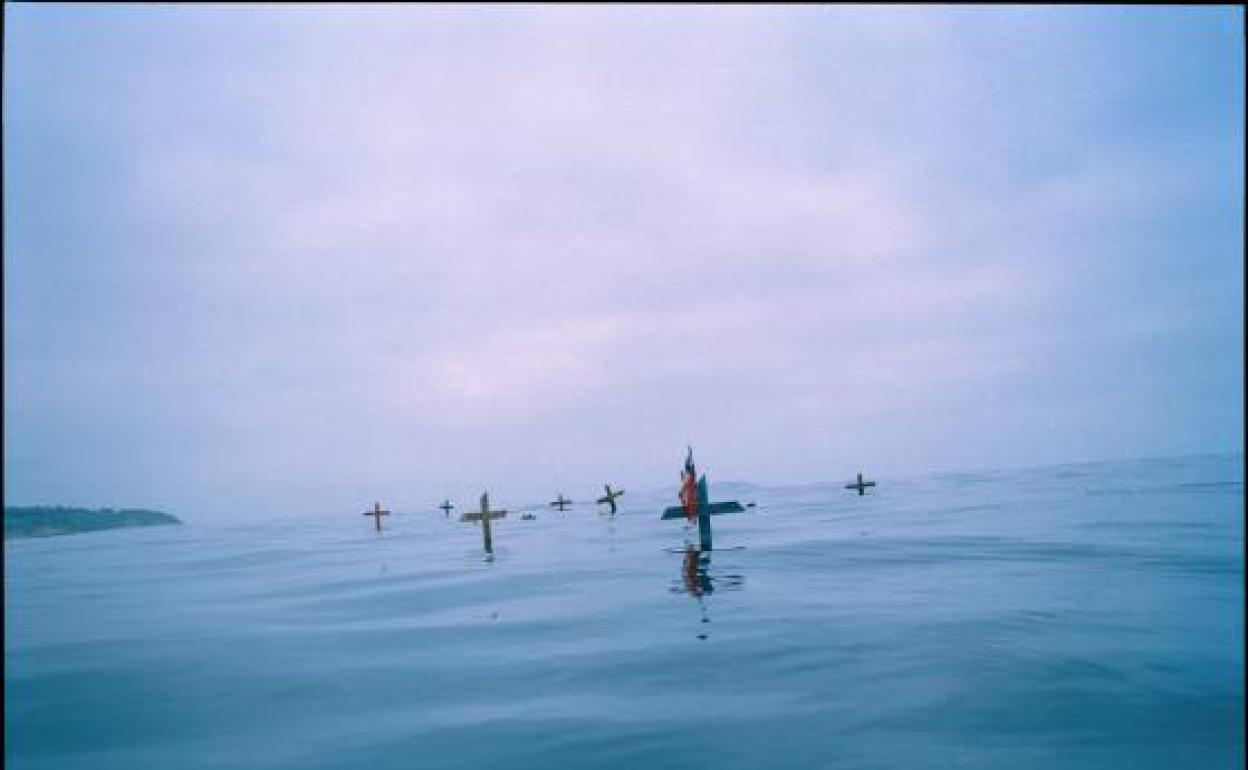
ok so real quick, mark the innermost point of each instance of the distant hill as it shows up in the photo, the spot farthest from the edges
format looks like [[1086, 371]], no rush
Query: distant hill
[[44, 521], [732, 487]]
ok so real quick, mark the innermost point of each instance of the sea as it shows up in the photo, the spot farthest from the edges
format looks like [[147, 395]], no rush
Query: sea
[[1072, 616]]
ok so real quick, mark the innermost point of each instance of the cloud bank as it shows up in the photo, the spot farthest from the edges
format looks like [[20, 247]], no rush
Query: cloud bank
[[305, 257]]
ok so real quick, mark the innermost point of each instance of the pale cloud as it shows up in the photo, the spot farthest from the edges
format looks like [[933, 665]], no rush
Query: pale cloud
[[769, 229]]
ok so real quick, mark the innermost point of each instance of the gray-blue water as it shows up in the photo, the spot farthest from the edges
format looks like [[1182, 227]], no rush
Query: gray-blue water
[[1083, 616]]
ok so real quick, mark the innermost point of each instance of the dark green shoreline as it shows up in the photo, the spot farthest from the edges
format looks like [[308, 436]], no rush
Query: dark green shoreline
[[48, 521]]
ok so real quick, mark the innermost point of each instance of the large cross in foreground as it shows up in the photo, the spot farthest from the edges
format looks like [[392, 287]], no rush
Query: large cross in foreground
[[484, 516], [860, 485], [609, 497], [377, 513], [706, 509], [561, 503]]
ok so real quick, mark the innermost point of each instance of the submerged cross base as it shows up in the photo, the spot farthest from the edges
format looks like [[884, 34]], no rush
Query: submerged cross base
[[706, 510]]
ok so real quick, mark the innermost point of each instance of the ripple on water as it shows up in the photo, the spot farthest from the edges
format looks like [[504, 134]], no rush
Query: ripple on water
[[1022, 619]]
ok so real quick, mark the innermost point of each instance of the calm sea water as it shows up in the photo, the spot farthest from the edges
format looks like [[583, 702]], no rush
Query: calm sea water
[[1083, 616]]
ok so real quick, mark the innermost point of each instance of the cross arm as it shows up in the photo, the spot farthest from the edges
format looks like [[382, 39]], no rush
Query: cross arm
[[714, 509]]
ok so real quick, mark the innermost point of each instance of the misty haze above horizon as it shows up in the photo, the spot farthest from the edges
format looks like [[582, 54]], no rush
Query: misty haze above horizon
[[266, 258], [1205, 471]]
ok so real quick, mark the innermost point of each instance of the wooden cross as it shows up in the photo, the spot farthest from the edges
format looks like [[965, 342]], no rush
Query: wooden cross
[[484, 516], [706, 510], [562, 502], [860, 485], [609, 498], [446, 507], [377, 513]]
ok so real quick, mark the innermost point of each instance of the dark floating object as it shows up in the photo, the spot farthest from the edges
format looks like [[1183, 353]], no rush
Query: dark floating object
[[750, 505], [695, 503], [377, 513], [562, 503], [446, 507], [484, 516], [860, 485], [609, 498], [528, 517]]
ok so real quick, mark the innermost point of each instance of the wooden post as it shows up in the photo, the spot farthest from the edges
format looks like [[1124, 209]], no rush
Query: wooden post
[[704, 516], [377, 513], [485, 522], [446, 507]]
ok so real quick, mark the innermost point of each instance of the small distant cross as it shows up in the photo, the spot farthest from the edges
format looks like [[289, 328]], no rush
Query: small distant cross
[[609, 498], [561, 503], [377, 513], [446, 507], [484, 516], [860, 485]]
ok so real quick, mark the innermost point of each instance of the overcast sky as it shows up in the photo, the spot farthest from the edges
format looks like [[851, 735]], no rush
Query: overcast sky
[[296, 259]]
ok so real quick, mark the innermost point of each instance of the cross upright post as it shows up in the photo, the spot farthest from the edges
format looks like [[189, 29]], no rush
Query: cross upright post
[[446, 507], [704, 516], [485, 522], [377, 513], [561, 503]]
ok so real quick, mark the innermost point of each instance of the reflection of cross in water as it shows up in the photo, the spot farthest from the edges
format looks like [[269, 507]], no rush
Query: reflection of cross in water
[[377, 513], [860, 485], [446, 507], [695, 573], [484, 515], [609, 497], [562, 503]]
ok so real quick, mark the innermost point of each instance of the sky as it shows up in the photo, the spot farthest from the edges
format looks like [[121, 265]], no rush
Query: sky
[[281, 260]]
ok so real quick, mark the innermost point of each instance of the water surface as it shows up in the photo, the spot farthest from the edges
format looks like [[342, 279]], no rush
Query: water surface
[[1080, 616]]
